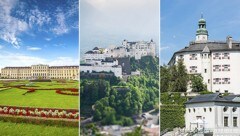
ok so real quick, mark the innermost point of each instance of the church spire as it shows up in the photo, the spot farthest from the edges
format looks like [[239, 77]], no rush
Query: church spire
[[202, 33]]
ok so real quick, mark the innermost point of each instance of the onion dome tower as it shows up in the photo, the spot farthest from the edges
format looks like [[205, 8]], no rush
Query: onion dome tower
[[202, 33]]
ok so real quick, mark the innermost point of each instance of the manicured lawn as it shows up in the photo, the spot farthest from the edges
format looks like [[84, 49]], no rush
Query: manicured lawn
[[42, 85], [39, 98], [22, 129]]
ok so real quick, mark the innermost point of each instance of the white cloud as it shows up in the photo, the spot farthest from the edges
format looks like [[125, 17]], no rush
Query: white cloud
[[62, 61], [33, 48], [48, 39], [39, 18], [1, 46], [61, 28], [17, 59], [10, 26]]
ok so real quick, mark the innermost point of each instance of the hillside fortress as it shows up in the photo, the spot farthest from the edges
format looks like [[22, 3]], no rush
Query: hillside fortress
[[216, 61], [115, 59]]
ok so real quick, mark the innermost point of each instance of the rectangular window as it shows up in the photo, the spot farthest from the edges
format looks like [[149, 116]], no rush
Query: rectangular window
[[193, 69], [226, 81], [225, 121], [235, 122], [180, 57], [216, 67], [205, 70], [226, 67], [193, 57], [216, 80], [226, 56], [216, 56]]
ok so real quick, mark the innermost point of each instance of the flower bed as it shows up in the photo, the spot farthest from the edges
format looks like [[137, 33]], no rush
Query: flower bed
[[40, 112], [30, 90], [71, 91]]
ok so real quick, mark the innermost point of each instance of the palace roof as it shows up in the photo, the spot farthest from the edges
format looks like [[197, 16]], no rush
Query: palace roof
[[216, 97], [212, 46]]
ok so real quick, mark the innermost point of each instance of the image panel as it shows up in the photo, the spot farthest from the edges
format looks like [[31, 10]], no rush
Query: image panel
[[39, 67], [119, 67], [199, 68]]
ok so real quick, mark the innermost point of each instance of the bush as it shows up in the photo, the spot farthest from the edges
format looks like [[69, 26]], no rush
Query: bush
[[41, 80], [172, 116]]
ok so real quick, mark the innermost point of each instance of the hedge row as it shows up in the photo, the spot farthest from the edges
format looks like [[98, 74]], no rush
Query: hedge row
[[172, 116], [33, 108], [44, 121]]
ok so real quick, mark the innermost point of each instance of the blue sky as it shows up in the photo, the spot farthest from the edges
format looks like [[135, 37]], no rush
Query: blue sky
[[179, 20], [39, 31], [104, 23]]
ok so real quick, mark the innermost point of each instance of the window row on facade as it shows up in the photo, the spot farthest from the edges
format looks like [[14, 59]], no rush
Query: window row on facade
[[234, 121], [215, 56], [204, 109], [221, 56], [221, 68], [221, 80]]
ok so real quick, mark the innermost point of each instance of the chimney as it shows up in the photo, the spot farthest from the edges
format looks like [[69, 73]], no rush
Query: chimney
[[229, 42]]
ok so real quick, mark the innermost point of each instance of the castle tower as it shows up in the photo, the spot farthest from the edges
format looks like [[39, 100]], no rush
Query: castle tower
[[202, 33]]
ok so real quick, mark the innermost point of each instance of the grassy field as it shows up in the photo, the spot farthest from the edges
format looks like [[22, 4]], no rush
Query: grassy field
[[42, 85], [39, 98], [22, 129]]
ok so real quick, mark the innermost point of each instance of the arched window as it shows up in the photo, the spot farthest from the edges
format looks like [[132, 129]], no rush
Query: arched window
[[189, 110], [234, 109], [204, 109], [210, 109], [193, 110], [225, 108]]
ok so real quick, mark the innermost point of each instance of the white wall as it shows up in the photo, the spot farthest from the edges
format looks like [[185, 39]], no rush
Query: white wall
[[215, 119], [201, 63], [116, 70], [191, 117]]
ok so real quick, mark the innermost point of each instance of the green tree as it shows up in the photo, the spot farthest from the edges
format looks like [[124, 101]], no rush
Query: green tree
[[109, 116], [181, 79], [197, 83], [165, 78]]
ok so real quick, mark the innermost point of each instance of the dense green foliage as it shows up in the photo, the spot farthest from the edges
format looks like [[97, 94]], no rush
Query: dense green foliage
[[148, 65], [174, 83], [172, 116], [197, 84], [173, 98], [175, 79], [117, 101]]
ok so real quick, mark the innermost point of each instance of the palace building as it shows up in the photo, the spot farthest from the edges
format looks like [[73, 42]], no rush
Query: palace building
[[41, 72], [216, 61]]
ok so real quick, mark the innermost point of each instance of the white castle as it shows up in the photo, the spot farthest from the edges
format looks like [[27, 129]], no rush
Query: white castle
[[216, 61], [106, 59]]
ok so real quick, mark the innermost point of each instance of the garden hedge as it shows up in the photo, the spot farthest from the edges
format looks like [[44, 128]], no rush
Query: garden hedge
[[172, 116]]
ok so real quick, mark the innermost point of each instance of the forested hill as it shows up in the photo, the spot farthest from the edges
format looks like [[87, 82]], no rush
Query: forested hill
[[148, 65], [118, 101]]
